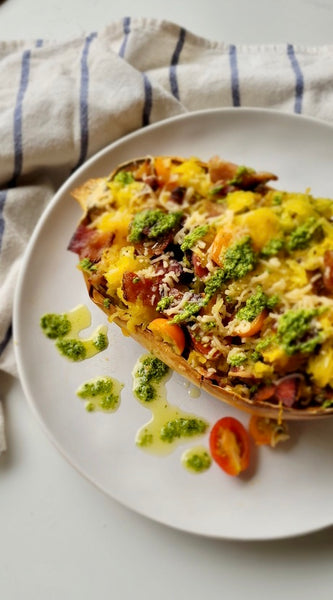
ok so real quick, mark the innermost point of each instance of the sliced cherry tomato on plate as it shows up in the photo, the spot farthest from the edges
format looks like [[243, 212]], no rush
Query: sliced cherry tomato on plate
[[230, 445], [267, 432]]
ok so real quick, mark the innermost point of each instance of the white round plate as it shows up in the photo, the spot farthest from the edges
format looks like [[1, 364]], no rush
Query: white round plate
[[288, 490]]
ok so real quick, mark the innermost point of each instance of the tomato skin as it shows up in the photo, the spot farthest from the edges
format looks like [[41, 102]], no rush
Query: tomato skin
[[204, 349], [162, 167], [261, 431], [267, 432], [220, 243], [169, 332], [229, 444], [253, 327]]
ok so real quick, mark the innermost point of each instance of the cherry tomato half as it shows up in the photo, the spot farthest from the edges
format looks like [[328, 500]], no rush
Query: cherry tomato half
[[250, 328], [230, 445], [267, 432], [169, 332]]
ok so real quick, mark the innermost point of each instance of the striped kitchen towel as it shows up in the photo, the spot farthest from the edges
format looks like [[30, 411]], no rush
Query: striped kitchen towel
[[62, 102]]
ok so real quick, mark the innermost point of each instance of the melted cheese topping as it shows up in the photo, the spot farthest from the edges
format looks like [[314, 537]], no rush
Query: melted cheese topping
[[289, 233]]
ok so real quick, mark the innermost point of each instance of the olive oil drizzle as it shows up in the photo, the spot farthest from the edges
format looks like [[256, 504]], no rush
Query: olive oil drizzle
[[169, 426], [101, 394], [196, 460], [67, 338]]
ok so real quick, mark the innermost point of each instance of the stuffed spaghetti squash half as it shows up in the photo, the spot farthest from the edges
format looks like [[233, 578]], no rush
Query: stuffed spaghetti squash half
[[225, 279]]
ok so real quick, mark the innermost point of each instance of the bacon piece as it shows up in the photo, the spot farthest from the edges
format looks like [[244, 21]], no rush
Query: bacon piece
[[205, 349], [199, 269], [176, 296], [318, 286], [142, 288], [80, 239], [89, 243], [150, 248], [220, 170], [328, 270], [152, 182], [286, 391], [177, 194], [223, 171], [173, 267]]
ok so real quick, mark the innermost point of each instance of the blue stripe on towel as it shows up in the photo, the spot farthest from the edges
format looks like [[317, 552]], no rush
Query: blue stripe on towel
[[299, 86], [18, 148], [127, 30], [235, 93], [148, 100], [174, 63], [3, 195], [84, 92], [6, 339], [17, 133]]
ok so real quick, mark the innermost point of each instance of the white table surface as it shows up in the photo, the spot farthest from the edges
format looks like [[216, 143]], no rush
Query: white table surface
[[60, 538]]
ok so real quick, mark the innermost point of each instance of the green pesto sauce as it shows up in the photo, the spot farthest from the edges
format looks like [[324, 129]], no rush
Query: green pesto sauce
[[86, 265], [277, 200], [255, 304], [238, 260], [192, 238], [242, 171], [208, 325], [216, 190], [152, 224], [72, 349], [255, 356], [101, 393], [189, 311], [236, 360], [164, 303], [303, 235], [65, 329], [55, 325], [272, 248], [327, 403], [214, 283], [169, 426], [296, 331], [182, 427], [196, 460], [150, 372], [264, 343], [124, 177], [100, 342]]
